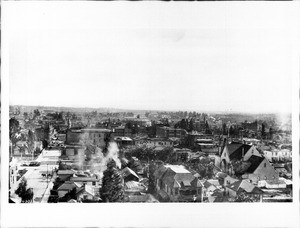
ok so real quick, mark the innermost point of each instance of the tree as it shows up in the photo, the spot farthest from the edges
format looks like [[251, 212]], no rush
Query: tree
[[207, 130], [240, 167], [263, 130], [242, 197], [191, 125], [45, 143], [112, 184], [224, 130], [26, 194], [14, 132], [25, 114], [36, 113], [183, 124], [68, 196], [151, 185], [30, 141]]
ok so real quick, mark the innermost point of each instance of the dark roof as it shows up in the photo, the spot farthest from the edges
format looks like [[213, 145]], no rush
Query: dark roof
[[67, 186], [206, 184], [127, 172], [237, 150], [255, 162]]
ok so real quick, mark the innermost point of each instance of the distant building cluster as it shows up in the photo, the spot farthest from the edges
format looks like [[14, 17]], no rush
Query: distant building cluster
[[91, 156]]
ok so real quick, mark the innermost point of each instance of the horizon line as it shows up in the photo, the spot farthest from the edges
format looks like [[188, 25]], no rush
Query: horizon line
[[159, 110]]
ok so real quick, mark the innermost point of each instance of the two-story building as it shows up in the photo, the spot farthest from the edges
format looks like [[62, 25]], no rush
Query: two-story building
[[95, 136], [260, 169], [175, 183], [167, 132]]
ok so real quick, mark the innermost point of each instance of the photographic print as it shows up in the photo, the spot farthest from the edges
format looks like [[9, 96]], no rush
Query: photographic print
[[148, 116]]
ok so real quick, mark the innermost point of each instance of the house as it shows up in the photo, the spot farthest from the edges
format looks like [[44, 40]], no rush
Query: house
[[122, 131], [229, 180], [123, 141], [176, 184], [243, 186], [96, 136], [208, 188], [216, 196], [167, 132], [74, 152], [129, 175], [182, 155], [87, 193], [153, 142], [132, 187], [85, 180], [272, 184], [65, 174], [278, 155], [260, 169], [193, 138], [13, 173], [65, 188], [236, 151]]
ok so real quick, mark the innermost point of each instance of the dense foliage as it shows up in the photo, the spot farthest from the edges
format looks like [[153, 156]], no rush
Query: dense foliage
[[112, 184]]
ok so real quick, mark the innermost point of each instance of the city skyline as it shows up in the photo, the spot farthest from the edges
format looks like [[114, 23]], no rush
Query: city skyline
[[153, 69]]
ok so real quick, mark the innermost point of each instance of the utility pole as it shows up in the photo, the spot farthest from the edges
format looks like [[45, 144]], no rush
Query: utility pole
[[47, 174]]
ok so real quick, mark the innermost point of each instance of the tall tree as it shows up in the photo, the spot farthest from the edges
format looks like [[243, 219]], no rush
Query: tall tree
[[263, 130], [14, 130], [26, 194], [30, 141], [191, 125], [25, 114], [36, 113], [224, 130], [183, 124], [112, 184]]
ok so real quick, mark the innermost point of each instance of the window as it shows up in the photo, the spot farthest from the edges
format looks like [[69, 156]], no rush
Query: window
[[265, 165], [176, 191]]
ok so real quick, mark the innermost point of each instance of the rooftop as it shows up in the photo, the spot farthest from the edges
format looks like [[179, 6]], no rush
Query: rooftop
[[177, 168], [255, 162]]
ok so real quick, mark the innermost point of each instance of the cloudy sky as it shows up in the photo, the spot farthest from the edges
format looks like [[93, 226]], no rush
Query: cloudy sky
[[245, 70]]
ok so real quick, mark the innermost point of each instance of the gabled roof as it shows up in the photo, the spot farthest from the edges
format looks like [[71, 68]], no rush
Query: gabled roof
[[67, 186], [87, 189], [134, 186], [244, 186], [237, 150], [174, 176], [158, 173], [255, 162], [127, 171]]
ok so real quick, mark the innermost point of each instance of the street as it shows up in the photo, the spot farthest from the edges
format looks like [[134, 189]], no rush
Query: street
[[41, 185]]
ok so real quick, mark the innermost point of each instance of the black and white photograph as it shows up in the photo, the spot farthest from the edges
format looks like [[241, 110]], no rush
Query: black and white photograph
[[135, 112]]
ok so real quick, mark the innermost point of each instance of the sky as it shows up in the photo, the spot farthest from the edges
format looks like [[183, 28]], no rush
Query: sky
[[240, 70]]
